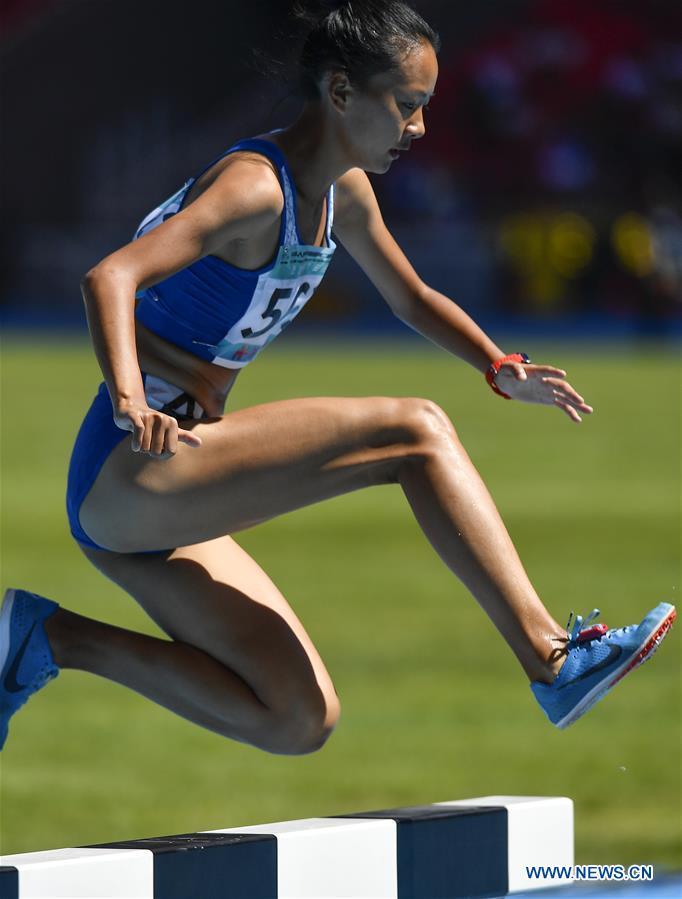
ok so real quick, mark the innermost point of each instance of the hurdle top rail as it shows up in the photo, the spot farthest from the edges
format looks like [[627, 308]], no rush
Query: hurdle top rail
[[478, 847]]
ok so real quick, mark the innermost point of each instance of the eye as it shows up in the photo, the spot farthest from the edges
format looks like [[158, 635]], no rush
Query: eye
[[409, 106]]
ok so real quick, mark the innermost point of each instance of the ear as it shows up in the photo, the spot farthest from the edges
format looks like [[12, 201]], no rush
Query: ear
[[339, 90]]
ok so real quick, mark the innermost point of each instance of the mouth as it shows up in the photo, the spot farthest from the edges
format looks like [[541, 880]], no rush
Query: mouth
[[395, 152]]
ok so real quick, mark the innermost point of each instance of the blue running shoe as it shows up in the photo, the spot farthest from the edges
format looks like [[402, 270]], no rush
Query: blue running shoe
[[26, 661], [597, 658]]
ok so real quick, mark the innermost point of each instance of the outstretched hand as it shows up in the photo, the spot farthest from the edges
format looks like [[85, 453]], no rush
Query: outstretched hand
[[541, 384]]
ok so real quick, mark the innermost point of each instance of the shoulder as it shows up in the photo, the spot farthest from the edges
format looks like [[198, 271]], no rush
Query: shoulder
[[354, 199], [242, 186]]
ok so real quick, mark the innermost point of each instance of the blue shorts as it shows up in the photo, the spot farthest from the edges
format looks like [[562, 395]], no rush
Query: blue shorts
[[98, 435]]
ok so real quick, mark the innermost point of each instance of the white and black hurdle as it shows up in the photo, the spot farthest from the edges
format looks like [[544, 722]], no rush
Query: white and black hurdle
[[481, 847]]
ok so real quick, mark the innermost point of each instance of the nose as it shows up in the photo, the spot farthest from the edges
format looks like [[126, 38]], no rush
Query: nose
[[416, 127]]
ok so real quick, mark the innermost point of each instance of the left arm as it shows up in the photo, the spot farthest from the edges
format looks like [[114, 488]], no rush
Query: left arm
[[359, 225]]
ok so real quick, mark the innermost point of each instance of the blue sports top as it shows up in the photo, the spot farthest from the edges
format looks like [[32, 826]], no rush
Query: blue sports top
[[227, 314]]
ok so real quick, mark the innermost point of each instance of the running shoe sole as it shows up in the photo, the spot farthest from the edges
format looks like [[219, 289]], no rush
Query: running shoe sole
[[646, 649]]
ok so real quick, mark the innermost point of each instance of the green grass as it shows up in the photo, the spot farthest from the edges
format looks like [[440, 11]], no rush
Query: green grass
[[434, 705]]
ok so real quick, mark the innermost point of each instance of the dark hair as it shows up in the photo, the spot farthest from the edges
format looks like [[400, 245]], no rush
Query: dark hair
[[358, 37]]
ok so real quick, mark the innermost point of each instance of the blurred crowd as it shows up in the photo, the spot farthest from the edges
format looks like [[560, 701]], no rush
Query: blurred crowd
[[559, 130]]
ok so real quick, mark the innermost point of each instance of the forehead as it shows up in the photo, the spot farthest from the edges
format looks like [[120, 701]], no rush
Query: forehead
[[416, 72]]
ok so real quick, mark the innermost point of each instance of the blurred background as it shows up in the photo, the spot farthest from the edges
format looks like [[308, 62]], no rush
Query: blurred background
[[548, 189], [546, 199]]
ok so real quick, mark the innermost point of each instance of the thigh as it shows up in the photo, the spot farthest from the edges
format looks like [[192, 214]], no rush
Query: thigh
[[253, 464], [215, 597]]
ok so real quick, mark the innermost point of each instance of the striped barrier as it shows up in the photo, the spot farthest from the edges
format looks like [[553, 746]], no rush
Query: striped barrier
[[468, 848]]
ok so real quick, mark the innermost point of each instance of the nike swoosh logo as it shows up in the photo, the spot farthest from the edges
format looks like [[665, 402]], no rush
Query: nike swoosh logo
[[12, 685], [614, 653]]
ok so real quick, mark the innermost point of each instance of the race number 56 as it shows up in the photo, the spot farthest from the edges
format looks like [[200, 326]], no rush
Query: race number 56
[[273, 312]]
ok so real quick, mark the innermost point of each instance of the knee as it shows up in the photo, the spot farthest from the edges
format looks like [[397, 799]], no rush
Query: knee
[[426, 423], [302, 731]]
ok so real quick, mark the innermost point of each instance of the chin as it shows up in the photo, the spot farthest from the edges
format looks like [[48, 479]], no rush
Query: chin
[[379, 166]]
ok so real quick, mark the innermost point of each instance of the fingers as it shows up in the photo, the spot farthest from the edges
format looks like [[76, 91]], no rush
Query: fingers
[[563, 390], [548, 370], [558, 391], [157, 435], [570, 406], [189, 438], [565, 398], [138, 436], [521, 371], [568, 409]]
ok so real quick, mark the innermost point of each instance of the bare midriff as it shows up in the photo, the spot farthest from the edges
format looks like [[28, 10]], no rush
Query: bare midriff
[[207, 383]]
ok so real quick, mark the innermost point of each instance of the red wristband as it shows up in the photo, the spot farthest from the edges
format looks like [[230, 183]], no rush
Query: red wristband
[[494, 367]]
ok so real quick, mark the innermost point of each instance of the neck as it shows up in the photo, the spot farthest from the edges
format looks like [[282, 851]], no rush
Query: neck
[[315, 155]]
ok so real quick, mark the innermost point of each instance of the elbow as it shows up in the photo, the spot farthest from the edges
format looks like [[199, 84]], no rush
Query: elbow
[[87, 280], [100, 276], [88, 286], [95, 276], [93, 279]]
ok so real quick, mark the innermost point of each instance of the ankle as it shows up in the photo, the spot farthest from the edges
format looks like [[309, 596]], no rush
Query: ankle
[[550, 655], [61, 629]]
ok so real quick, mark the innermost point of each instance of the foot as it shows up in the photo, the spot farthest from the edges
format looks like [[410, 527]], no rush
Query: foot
[[596, 659], [26, 660]]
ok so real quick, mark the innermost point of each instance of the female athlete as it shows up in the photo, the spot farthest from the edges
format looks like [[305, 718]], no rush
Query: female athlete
[[160, 477]]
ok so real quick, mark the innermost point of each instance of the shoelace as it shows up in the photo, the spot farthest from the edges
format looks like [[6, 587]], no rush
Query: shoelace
[[576, 624], [583, 633]]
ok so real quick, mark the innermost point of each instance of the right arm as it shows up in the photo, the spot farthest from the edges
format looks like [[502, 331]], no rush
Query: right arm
[[237, 206]]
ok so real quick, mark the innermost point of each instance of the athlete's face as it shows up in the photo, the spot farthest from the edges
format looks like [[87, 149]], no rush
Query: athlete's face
[[381, 121]]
